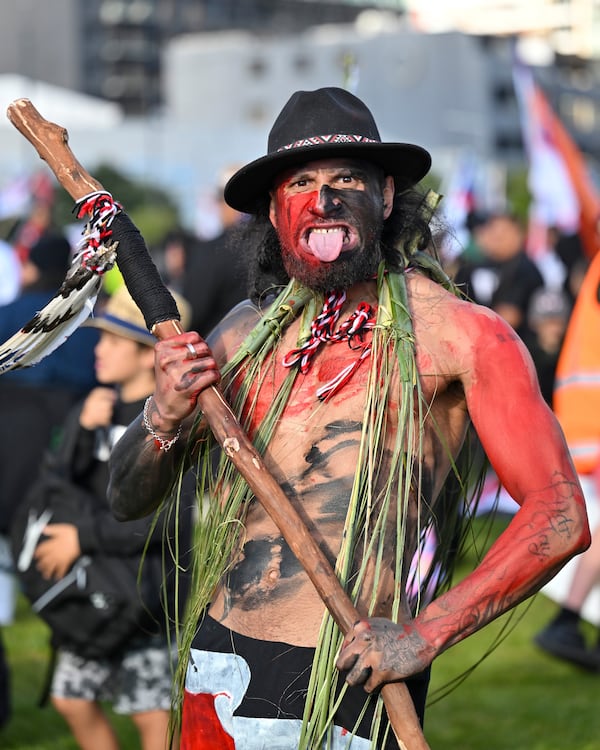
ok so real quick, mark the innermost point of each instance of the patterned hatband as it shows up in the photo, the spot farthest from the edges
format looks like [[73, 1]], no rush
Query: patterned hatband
[[319, 140]]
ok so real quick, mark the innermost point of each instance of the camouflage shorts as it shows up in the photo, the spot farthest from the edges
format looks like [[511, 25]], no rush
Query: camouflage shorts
[[140, 679]]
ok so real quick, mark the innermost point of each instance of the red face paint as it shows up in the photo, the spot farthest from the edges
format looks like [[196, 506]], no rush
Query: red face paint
[[329, 218], [295, 218]]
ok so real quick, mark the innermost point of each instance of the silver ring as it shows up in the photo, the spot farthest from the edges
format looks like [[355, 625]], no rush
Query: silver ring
[[192, 351]]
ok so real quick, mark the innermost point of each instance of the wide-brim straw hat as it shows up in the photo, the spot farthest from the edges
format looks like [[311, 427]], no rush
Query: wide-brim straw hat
[[122, 317], [326, 123]]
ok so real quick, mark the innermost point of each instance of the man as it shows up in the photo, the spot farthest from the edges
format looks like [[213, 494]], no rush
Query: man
[[362, 331]]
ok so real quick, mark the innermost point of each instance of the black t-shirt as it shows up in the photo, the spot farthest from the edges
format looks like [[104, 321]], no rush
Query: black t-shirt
[[82, 457], [215, 281], [510, 282]]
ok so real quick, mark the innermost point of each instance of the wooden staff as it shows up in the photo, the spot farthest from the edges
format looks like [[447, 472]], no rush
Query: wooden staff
[[51, 144]]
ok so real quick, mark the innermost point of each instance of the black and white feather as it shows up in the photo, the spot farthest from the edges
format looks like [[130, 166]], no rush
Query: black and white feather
[[75, 300], [64, 313]]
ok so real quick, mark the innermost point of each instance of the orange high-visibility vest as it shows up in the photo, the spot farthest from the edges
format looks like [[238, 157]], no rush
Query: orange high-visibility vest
[[576, 398]]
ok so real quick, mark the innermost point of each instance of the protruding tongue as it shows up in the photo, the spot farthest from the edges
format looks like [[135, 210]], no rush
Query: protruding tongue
[[326, 246]]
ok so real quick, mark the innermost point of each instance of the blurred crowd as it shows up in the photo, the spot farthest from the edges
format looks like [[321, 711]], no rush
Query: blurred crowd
[[553, 304], [207, 273], [61, 418], [496, 270]]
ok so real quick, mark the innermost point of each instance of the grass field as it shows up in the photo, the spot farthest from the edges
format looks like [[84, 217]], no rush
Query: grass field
[[32, 727], [516, 699]]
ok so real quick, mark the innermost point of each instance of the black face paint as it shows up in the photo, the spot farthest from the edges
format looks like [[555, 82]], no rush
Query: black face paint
[[362, 209], [330, 201]]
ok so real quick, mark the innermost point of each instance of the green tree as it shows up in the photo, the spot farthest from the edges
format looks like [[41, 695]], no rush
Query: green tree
[[151, 208]]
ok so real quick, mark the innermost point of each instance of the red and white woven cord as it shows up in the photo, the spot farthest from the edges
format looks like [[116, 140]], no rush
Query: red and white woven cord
[[323, 329], [101, 208]]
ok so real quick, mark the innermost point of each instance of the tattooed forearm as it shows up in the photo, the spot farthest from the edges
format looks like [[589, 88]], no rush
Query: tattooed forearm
[[141, 474], [483, 612], [540, 548], [554, 520], [536, 543]]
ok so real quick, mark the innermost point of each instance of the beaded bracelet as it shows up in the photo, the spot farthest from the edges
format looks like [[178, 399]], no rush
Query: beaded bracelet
[[161, 443]]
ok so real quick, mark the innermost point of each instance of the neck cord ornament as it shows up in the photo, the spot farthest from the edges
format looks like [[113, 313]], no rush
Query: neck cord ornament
[[323, 329]]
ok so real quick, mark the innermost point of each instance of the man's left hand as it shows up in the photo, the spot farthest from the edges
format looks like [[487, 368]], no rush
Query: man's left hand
[[376, 651]]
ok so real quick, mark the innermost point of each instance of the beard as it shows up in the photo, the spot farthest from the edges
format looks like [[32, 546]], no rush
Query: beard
[[342, 273], [359, 210], [348, 268]]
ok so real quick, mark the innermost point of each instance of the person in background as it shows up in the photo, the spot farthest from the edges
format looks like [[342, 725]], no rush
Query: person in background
[[568, 248], [176, 248], [215, 277], [35, 401], [476, 220], [576, 403], [33, 227], [137, 680], [548, 317], [505, 279]]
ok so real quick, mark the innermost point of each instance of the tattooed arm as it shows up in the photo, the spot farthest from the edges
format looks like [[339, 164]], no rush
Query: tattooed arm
[[527, 450], [141, 469], [141, 472]]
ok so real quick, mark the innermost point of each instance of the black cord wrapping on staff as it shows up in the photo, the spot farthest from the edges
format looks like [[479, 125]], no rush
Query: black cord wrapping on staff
[[140, 274]]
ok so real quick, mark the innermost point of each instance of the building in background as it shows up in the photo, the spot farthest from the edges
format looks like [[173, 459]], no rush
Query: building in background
[[112, 49], [199, 82], [566, 27], [222, 90]]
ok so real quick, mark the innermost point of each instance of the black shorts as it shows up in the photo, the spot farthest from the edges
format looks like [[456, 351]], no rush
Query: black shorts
[[279, 677]]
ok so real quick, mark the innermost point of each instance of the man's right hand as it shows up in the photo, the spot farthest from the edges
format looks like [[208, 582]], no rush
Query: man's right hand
[[376, 651], [184, 366]]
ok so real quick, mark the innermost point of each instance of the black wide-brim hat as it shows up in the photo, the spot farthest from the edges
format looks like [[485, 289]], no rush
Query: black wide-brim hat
[[322, 124]]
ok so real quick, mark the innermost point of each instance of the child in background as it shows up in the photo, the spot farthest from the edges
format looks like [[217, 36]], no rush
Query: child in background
[[137, 679]]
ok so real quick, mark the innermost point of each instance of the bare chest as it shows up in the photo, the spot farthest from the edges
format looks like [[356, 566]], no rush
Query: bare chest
[[314, 449]]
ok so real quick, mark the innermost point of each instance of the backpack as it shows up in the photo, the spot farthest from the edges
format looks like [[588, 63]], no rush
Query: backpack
[[96, 607]]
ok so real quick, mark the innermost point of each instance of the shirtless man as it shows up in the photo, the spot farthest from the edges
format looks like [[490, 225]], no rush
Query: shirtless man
[[330, 188]]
